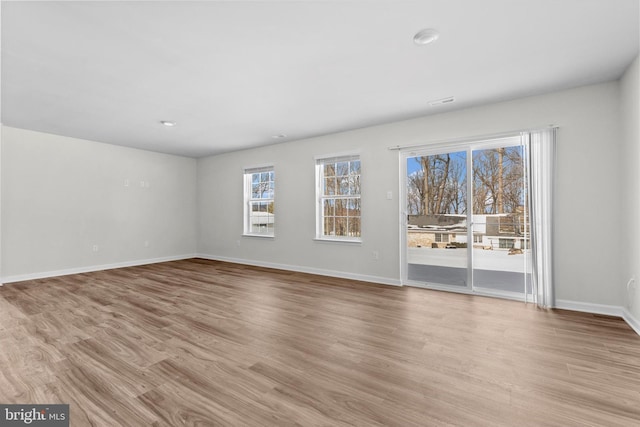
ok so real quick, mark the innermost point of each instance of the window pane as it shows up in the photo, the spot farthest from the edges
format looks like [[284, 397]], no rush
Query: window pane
[[344, 185], [261, 218], [353, 206], [329, 223], [354, 227], [354, 184], [341, 207], [255, 178], [342, 168], [341, 226], [329, 169], [329, 207], [354, 168], [330, 186]]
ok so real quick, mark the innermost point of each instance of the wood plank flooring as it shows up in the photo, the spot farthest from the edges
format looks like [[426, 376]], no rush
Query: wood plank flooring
[[199, 342]]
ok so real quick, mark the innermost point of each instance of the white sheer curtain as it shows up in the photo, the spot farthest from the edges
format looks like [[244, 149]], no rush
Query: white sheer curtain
[[541, 147]]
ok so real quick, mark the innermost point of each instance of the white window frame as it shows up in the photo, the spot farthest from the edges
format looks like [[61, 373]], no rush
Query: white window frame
[[442, 238], [249, 201], [321, 198]]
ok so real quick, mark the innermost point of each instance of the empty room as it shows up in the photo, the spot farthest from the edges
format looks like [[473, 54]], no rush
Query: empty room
[[320, 213]]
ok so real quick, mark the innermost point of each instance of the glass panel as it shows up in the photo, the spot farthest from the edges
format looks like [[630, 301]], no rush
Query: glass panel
[[342, 168], [437, 219], [344, 185], [355, 167], [329, 226], [354, 185], [354, 227], [329, 186], [329, 207], [341, 226], [353, 207], [262, 218], [329, 169], [500, 218]]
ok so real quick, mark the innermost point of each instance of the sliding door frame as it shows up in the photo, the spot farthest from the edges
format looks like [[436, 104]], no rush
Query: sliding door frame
[[468, 146]]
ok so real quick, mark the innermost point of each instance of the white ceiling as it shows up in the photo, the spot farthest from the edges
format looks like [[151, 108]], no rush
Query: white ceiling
[[233, 74]]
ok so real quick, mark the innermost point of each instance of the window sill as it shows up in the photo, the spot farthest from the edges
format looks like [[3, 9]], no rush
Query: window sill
[[329, 240], [260, 236]]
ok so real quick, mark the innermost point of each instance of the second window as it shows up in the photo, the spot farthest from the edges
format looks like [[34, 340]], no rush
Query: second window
[[339, 198]]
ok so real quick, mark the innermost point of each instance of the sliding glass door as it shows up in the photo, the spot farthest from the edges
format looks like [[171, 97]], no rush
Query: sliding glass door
[[437, 218], [467, 219]]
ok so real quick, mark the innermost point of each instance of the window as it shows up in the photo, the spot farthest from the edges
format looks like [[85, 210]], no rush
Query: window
[[259, 189], [338, 186], [442, 238], [477, 238], [505, 243]]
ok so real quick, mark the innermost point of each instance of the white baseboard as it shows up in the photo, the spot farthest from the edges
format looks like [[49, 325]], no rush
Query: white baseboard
[[631, 320], [88, 269], [609, 310], [310, 270]]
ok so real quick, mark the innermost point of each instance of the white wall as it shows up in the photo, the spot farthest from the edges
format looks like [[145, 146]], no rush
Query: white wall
[[630, 114], [61, 196], [587, 270]]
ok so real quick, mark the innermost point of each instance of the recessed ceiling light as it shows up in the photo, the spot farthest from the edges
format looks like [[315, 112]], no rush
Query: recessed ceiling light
[[279, 136], [168, 123], [426, 36]]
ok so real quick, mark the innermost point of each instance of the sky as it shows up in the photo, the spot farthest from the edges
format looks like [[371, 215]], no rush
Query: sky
[[413, 163]]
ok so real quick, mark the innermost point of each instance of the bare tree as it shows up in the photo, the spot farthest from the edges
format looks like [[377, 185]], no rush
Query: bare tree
[[498, 180], [439, 187]]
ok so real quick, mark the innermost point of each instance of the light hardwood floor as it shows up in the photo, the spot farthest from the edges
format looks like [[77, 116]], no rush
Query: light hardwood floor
[[200, 342]]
